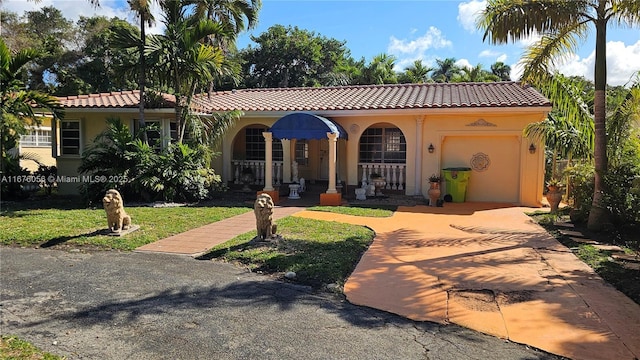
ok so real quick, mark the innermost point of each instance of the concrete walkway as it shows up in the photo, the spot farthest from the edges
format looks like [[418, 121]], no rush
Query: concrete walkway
[[493, 270], [197, 241], [483, 266]]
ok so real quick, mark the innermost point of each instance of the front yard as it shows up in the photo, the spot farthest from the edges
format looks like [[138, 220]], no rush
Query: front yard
[[64, 223]]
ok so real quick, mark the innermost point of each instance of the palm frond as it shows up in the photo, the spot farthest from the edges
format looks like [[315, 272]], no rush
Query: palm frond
[[506, 20], [543, 56]]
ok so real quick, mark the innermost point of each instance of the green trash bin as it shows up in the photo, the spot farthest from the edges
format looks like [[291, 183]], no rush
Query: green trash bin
[[457, 179]]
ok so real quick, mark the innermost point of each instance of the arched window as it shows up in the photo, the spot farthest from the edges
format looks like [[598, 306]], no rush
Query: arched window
[[383, 145], [254, 145]]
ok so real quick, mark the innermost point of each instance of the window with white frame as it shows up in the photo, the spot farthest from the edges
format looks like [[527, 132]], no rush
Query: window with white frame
[[302, 152], [255, 145], [36, 137], [70, 137], [154, 133], [157, 131], [383, 145]]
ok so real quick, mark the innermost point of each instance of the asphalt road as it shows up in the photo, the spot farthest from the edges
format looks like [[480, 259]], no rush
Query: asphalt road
[[115, 305]]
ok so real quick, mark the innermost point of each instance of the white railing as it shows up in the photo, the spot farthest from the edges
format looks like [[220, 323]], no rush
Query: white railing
[[35, 140], [257, 168], [394, 174]]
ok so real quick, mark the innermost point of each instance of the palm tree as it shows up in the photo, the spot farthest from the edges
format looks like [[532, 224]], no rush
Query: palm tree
[[143, 10], [474, 74], [235, 15], [380, 70], [231, 14], [501, 70], [561, 24], [416, 73], [18, 104], [183, 62], [445, 71]]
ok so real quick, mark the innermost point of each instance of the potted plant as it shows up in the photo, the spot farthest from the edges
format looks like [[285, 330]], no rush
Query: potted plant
[[434, 189], [554, 184], [554, 193]]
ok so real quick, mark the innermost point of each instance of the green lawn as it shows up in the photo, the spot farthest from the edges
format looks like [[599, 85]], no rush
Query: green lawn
[[13, 348], [47, 224], [319, 252], [370, 211]]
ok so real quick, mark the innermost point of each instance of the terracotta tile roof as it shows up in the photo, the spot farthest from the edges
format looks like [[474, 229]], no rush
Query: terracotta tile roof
[[376, 97], [362, 97], [119, 99]]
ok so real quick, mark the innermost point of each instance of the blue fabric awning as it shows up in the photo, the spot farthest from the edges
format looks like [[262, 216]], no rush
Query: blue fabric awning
[[305, 126]]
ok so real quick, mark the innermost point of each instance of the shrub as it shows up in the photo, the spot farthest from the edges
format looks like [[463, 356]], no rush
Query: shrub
[[622, 197], [581, 183], [178, 173]]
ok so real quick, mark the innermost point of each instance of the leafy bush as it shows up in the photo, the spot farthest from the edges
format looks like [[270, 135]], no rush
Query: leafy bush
[[622, 197], [11, 171], [581, 183], [178, 173], [48, 175]]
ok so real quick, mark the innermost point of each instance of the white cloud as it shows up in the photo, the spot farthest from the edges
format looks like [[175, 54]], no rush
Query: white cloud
[[623, 61], [468, 12], [492, 54], [431, 39], [72, 10], [464, 63], [489, 53], [407, 51]]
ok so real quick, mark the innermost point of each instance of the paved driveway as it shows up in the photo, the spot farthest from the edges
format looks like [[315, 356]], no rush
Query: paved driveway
[[113, 305], [491, 269]]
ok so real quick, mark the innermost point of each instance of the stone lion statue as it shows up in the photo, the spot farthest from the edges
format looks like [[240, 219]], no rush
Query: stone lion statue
[[263, 209], [117, 218]]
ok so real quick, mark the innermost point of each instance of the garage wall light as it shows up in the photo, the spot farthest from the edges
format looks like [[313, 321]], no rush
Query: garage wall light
[[532, 149], [431, 148]]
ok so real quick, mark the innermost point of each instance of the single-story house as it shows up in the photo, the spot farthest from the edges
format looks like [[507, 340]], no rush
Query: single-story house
[[341, 135]]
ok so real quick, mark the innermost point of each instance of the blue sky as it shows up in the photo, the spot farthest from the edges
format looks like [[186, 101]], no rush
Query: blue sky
[[408, 30]]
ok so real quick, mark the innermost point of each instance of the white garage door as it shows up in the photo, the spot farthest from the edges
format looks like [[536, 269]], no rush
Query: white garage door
[[496, 165]]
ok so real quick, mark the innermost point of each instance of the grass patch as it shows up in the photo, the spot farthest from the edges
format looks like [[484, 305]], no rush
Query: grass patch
[[41, 224], [384, 211], [319, 252], [626, 280], [11, 347]]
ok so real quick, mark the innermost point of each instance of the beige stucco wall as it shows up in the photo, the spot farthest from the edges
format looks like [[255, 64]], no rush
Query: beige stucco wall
[[43, 154], [92, 123], [514, 175]]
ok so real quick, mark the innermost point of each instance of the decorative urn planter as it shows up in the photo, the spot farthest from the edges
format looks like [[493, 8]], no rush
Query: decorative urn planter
[[554, 195], [434, 190], [434, 193], [379, 182]]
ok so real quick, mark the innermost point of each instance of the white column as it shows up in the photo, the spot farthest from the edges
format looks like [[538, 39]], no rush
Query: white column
[[268, 157], [227, 171], [286, 160], [333, 138], [418, 165]]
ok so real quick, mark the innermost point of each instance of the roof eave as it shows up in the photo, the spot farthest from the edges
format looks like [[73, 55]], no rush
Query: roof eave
[[403, 112]]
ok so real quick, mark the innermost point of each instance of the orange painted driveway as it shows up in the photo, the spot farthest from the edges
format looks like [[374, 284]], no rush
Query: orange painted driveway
[[492, 269]]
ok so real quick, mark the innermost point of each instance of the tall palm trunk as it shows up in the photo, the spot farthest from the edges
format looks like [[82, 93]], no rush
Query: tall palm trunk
[[598, 214], [142, 81]]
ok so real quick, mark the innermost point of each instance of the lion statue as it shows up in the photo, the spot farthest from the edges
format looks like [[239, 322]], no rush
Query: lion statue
[[263, 209], [117, 218]]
